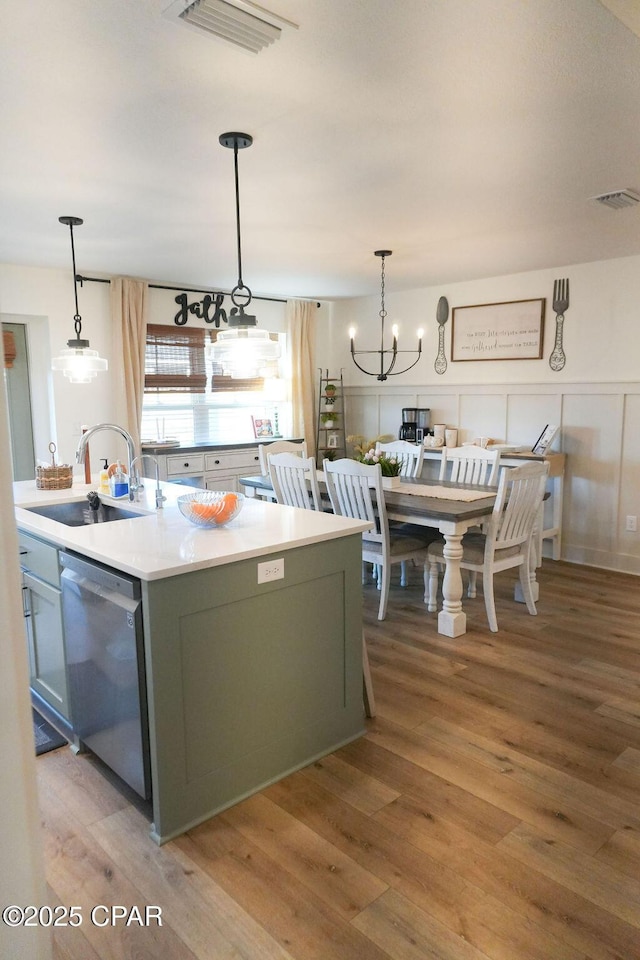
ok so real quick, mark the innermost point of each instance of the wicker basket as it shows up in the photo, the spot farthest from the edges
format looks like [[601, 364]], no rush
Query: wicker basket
[[54, 478]]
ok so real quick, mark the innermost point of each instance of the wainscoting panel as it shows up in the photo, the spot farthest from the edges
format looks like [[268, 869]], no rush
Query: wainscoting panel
[[445, 407], [599, 432], [391, 412], [529, 413], [363, 415], [483, 415], [630, 477], [591, 438]]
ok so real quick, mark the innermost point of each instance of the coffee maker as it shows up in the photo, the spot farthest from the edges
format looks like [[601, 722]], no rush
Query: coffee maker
[[415, 424]]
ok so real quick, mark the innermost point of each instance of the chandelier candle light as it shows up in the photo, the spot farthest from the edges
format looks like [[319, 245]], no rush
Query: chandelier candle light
[[382, 352], [78, 363]]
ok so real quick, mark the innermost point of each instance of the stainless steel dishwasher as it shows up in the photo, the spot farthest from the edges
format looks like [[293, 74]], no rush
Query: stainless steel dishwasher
[[102, 611]]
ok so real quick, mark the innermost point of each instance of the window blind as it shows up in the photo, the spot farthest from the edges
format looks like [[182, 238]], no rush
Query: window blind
[[174, 360], [9, 344]]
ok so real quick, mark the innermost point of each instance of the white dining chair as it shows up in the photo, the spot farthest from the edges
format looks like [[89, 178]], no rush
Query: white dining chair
[[410, 455], [266, 450], [470, 465], [355, 490], [508, 540], [295, 481]]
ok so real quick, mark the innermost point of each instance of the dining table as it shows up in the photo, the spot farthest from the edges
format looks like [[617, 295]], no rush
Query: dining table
[[449, 507]]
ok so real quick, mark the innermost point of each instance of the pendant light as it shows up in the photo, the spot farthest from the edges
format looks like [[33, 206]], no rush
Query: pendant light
[[78, 363], [393, 351], [241, 348]]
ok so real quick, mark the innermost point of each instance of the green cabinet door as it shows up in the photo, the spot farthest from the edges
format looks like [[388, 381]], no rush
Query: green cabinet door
[[45, 635]]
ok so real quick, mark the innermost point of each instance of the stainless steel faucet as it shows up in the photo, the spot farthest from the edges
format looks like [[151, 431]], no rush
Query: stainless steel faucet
[[134, 478], [84, 439]]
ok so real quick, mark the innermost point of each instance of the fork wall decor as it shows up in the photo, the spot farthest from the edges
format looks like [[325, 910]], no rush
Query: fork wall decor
[[558, 359]]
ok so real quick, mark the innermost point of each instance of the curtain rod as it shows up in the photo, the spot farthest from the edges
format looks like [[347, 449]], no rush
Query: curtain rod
[[160, 286]]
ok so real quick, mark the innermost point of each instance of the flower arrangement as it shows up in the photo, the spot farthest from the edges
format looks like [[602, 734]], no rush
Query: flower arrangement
[[365, 452], [389, 466]]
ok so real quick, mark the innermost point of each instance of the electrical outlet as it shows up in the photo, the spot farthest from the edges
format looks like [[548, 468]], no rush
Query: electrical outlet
[[632, 524], [271, 570]]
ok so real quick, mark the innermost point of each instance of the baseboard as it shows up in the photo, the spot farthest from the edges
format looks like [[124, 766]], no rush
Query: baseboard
[[622, 563]]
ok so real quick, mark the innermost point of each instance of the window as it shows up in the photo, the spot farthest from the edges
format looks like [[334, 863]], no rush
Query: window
[[187, 397]]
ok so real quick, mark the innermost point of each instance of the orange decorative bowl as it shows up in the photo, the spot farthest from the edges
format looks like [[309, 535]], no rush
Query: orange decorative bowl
[[210, 508]]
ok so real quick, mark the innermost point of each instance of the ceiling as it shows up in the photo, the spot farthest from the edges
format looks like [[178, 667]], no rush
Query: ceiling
[[467, 136]]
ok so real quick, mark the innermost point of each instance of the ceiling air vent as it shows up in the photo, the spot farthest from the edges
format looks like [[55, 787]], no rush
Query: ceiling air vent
[[618, 199], [237, 21]]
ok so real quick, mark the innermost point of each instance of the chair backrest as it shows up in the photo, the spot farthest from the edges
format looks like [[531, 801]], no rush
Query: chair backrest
[[265, 450], [517, 507], [355, 490], [295, 481], [410, 456], [470, 465]]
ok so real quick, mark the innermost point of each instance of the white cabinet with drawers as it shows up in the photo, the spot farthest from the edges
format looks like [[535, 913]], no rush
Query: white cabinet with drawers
[[187, 465], [217, 469], [223, 467]]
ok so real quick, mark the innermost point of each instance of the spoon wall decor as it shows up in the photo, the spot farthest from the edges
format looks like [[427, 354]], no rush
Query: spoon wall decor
[[442, 314]]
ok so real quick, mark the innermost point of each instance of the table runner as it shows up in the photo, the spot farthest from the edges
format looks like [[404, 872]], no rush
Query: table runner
[[443, 493]]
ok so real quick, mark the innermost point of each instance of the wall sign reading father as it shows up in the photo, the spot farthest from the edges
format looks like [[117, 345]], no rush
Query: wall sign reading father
[[209, 309]]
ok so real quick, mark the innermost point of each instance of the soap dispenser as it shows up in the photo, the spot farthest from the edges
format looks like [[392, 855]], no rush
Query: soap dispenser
[[104, 477], [119, 482]]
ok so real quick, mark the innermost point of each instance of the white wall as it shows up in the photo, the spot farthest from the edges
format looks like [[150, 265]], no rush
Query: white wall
[[595, 399]]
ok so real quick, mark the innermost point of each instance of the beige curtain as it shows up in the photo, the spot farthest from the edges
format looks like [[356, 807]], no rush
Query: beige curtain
[[129, 300], [301, 328]]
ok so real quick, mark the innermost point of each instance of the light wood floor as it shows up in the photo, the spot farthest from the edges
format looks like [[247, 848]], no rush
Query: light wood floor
[[492, 809]]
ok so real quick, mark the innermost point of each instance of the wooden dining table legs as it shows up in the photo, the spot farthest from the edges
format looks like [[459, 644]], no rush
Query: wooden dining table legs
[[452, 620]]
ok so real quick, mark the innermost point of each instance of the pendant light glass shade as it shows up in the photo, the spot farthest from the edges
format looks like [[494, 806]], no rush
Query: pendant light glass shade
[[78, 362], [245, 353]]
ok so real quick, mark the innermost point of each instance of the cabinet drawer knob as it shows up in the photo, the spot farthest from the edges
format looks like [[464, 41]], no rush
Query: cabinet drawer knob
[[217, 462], [185, 464]]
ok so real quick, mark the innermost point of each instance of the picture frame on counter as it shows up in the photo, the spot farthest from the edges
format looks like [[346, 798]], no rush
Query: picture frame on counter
[[498, 331], [545, 440], [262, 427]]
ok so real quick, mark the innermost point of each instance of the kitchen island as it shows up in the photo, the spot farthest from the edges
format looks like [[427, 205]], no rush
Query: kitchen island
[[245, 681]]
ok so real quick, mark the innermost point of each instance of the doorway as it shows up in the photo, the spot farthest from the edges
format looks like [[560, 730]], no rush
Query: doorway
[[17, 387]]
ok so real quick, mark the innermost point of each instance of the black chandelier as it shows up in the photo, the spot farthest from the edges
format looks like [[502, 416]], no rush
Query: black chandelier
[[382, 352]]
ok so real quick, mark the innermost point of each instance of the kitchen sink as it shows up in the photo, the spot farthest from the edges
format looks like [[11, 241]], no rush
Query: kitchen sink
[[80, 514]]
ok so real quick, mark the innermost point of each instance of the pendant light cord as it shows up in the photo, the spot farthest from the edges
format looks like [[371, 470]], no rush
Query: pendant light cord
[[235, 167], [241, 294], [77, 319]]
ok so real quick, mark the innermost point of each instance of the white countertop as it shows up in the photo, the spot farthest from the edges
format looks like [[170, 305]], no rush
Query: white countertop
[[163, 543]]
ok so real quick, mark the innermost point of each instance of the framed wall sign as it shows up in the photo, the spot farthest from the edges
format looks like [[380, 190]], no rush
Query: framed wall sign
[[498, 331]]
